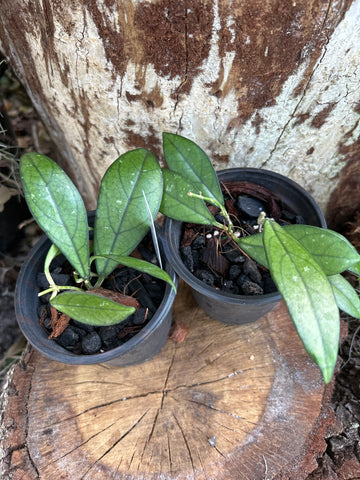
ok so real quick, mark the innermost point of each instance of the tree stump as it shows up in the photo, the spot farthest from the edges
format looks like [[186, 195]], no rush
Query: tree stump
[[226, 403]]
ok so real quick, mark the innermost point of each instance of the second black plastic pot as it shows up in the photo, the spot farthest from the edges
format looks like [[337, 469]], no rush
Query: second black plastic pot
[[140, 348], [227, 307]]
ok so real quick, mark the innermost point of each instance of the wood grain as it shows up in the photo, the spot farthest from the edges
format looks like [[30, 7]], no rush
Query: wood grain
[[227, 403]]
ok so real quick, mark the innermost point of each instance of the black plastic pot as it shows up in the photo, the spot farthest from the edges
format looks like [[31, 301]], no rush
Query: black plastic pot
[[140, 348], [227, 307]]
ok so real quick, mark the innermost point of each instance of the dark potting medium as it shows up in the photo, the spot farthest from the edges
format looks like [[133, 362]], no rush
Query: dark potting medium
[[227, 305], [140, 348]]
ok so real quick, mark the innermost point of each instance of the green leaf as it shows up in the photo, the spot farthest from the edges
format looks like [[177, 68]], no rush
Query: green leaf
[[346, 296], [122, 218], [185, 157], [141, 266], [333, 252], [253, 245], [57, 207], [355, 269], [177, 204], [91, 309], [307, 294]]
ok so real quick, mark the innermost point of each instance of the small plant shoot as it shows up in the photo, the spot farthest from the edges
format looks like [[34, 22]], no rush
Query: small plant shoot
[[130, 191], [305, 262]]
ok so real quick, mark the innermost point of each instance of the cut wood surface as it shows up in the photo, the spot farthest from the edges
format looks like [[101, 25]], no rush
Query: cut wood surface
[[226, 403]]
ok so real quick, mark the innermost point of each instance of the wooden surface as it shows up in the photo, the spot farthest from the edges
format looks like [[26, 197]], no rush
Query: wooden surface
[[227, 403]]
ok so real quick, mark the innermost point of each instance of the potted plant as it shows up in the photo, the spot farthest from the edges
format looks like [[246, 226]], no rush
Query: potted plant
[[129, 199], [305, 261]]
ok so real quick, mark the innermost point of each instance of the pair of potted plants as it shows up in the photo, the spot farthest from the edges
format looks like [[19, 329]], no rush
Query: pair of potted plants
[[304, 261]]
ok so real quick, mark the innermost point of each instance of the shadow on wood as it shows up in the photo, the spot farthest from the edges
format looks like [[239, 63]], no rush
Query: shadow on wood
[[227, 403]]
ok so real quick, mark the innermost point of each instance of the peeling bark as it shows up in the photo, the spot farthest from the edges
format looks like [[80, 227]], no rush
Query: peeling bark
[[260, 84]]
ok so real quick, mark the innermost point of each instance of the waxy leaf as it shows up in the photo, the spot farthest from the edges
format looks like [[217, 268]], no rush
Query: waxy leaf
[[355, 269], [333, 252], [177, 204], [141, 266], [253, 245], [185, 157], [57, 207], [345, 295], [307, 294], [122, 218], [91, 309]]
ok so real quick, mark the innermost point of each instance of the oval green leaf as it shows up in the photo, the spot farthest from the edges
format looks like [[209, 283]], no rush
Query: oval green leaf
[[141, 266], [122, 218], [91, 309], [307, 294], [345, 295], [333, 252], [57, 207], [185, 157], [177, 204]]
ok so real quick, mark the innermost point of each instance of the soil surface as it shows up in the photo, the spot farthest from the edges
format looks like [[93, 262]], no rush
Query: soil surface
[[341, 460]]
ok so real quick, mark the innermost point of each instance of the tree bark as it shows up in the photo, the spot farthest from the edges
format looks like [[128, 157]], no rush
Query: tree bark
[[226, 403], [260, 84]]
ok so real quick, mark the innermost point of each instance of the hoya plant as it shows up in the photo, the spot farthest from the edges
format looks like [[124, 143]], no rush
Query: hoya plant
[[129, 198], [305, 262]]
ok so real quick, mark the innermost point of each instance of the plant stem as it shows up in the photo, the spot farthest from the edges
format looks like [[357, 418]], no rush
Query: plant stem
[[229, 227], [55, 289]]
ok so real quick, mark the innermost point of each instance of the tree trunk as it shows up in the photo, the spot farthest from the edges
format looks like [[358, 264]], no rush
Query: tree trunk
[[260, 84], [227, 403]]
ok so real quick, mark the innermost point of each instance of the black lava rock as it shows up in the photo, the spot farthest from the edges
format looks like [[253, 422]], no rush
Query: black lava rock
[[80, 331], [199, 242], [249, 206], [205, 277], [83, 326], [230, 286], [251, 270], [234, 272], [91, 343], [233, 254], [109, 336], [68, 338], [251, 288]]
